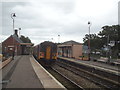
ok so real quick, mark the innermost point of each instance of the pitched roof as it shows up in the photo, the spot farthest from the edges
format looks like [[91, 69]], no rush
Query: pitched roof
[[71, 42], [17, 39]]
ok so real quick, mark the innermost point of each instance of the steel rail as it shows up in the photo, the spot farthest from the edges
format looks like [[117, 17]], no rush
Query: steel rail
[[63, 65], [80, 87], [95, 70]]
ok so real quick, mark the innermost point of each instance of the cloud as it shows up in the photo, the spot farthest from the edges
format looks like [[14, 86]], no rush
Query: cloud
[[45, 19]]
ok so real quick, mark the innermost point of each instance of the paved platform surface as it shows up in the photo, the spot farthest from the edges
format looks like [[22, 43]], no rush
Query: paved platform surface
[[104, 66], [19, 73], [4, 63], [47, 80]]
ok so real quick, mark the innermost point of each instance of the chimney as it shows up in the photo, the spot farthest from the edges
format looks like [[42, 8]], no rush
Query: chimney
[[16, 32]]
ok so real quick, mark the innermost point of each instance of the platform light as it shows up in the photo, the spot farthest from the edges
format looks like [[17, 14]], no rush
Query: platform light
[[89, 23], [13, 16]]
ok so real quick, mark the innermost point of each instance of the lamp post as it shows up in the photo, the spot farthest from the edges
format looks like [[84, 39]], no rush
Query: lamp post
[[13, 16], [58, 38], [52, 39], [19, 31], [111, 44], [89, 23]]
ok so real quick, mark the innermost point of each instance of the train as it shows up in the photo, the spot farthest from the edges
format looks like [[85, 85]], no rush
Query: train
[[46, 53]]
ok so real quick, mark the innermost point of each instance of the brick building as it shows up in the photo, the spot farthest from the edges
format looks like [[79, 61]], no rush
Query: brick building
[[14, 45], [70, 49]]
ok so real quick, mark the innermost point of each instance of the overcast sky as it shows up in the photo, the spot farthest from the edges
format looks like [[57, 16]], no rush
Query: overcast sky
[[42, 20]]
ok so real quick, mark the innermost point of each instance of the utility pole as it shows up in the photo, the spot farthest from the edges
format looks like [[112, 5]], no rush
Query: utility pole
[[108, 51]]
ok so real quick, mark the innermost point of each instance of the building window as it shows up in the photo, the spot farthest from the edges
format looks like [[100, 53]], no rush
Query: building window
[[5, 49]]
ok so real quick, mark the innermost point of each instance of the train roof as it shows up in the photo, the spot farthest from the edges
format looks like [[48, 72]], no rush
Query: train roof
[[45, 42]]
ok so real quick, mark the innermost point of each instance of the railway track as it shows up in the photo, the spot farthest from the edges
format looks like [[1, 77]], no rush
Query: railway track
[[101, 71], [68, 83], [93, 77]]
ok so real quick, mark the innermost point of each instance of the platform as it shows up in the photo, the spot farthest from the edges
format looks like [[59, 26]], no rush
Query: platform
[[102, 66], [25, 72]]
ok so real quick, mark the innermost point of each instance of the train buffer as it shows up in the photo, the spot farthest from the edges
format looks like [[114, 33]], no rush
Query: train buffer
[[21, 73]]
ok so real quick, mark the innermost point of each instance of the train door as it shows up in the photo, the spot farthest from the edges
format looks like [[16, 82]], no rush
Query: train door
[[48, 52]]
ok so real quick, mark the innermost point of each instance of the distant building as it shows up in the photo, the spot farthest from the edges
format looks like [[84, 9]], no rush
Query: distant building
[[14, 45], [70, 49]]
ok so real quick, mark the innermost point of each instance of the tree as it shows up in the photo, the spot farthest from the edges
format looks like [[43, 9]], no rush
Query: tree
[[95, 41], [25, 39], [108, 33], [111, 33]]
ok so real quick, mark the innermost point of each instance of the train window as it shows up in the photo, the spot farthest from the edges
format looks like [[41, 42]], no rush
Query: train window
[[41, 54], [10, 48]]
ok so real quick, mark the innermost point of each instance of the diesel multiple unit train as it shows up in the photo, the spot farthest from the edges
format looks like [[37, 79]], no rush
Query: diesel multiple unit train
[[45, 53]]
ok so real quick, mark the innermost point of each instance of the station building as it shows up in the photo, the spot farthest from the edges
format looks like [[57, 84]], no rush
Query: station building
[[14, 45], [70, 49]]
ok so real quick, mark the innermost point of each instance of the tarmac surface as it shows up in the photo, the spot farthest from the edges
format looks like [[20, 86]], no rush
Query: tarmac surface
[[19, 73]]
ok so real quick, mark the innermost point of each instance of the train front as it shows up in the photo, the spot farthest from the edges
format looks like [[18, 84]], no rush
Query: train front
[[48, 53]]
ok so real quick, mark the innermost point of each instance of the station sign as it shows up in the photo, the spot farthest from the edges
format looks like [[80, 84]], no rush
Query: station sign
[[112, 43]]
